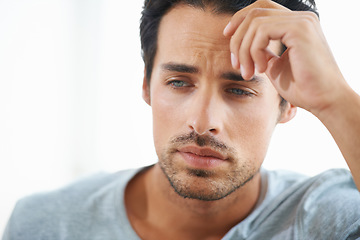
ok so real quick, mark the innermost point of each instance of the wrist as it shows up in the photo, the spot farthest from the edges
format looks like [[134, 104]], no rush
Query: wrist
[[344, 105]]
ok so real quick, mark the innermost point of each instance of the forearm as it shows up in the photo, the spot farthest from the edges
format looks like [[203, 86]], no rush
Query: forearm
[[343, 122]]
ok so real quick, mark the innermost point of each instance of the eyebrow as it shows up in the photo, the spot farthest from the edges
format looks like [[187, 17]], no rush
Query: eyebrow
[[238, 78], [181, 68], [185, 68]]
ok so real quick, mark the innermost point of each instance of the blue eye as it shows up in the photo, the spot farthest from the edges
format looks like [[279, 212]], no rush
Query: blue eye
[[240, 92], [178, 83]]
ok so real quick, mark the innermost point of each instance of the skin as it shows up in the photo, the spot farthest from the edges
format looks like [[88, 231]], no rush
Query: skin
[[240, 115]]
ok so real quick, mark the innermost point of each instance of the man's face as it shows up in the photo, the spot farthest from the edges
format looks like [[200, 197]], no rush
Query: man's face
[[211, 128]]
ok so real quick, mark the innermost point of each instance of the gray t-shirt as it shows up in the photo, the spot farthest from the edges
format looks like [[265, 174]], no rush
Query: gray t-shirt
[[291, 206]]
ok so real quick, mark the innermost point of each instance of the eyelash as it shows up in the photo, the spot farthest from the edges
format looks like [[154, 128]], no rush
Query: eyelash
[[175, 83], [239, 92]]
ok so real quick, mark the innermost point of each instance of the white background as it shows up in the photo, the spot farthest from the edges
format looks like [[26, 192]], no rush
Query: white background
[[70, 95]]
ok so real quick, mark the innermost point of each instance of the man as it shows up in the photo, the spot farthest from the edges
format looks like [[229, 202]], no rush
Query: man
[[218, 86]]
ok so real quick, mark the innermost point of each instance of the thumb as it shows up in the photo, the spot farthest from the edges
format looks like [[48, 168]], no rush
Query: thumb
[[279, 72]]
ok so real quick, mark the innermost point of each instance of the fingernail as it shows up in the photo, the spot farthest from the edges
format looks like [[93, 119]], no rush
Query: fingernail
[[233, 61], [242, 70], [226, 29], [256, 68]]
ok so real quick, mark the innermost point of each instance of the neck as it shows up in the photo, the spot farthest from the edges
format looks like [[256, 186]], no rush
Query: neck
[[150, 199]]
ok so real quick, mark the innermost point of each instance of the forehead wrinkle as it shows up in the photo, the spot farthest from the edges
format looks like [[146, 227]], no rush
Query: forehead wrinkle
[[211, 57], [208, 43]]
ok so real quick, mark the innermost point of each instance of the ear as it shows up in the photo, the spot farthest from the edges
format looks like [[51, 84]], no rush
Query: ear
[[146, 90], [288, 113]]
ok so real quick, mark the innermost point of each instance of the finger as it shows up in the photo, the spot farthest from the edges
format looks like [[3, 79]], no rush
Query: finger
[[253, 39], [235, 21], [251, 60], [242, 38], [262, 63], [245, 59], [231, 27], [264, 44], [279, 73], [240, 25], [285, 29], [236, 41], [255, 49], [239, 17]]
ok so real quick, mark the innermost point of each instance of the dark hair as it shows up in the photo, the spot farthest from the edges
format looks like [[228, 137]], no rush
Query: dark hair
[[154, 10]]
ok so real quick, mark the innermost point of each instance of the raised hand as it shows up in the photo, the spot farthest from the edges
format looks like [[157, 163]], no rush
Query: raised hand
[[306, 74]]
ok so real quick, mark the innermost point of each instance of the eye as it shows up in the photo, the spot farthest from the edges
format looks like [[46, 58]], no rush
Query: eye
[[239, 92], [178, 84]]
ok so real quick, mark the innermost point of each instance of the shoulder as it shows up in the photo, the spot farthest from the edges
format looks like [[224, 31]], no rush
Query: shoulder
[[329, 182], [334, 188], [75, 194], [45, 214], [325, 206], [330, 207]]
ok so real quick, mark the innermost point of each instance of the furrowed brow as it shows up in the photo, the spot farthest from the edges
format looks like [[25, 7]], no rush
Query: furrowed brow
[[180, 68], [238, 78]]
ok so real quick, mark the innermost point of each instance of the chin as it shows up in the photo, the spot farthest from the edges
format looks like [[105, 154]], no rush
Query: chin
[[204, 185]]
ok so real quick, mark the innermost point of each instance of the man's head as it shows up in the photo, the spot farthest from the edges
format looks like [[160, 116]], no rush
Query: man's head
[[211, 128]]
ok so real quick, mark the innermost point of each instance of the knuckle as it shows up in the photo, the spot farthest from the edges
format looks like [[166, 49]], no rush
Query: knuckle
[[255, 12], [236, 16], [256, 21], [266, 3], [258, 24], [312, 16], [253, 51], [306, 23], [261, 28]]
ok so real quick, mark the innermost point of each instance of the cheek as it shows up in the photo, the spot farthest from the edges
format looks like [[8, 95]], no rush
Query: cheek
[[166, 118], [251, 129], [260, 116]]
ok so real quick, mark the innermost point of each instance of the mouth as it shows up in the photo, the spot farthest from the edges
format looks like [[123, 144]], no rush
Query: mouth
[[202, 158]]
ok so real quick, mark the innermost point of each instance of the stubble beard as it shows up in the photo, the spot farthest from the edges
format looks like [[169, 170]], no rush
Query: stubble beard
[[200, 184]]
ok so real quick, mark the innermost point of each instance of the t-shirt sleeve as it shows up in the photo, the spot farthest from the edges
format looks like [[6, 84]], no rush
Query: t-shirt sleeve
[[14, 229], [27, 221], [330, 208], [6, 234]]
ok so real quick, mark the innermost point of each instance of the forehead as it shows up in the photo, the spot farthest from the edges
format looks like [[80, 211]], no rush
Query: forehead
[[184, 22], [187, 28], [189, 17], [194, 36]]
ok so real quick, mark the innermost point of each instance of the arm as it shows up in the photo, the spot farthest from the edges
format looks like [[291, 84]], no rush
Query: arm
[[306, 75], [342, 119]]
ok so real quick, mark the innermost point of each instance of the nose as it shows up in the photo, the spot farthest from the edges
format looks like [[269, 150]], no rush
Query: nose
[[205, 114]]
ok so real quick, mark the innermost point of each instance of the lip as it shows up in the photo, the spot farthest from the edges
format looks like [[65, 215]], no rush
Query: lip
[[202, 158], [202, 152]]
